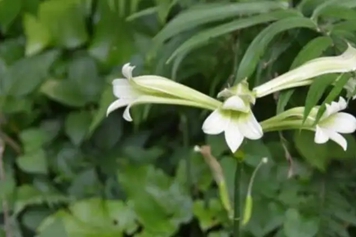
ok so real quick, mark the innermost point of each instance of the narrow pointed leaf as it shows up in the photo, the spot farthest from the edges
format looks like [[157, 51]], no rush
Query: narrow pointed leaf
[[259, 44], [334, 93], [316, 91], [212, 12], [206, 35], [313, 49], [318, 11]]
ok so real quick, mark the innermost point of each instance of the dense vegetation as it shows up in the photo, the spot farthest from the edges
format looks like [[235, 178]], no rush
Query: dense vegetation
[[68, 170]]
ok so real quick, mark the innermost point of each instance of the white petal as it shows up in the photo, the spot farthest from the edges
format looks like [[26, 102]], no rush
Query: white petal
[[127, 70], [321, 135], [216, 122], [249, 127], [117, 104], [339, 139], [236, 103], [335, 107], [233, 136], [127, 115], [342, 103], [123, 89], [341, 122]]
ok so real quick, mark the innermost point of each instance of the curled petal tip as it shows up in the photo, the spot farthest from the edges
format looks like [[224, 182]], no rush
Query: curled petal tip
[[127, 70]]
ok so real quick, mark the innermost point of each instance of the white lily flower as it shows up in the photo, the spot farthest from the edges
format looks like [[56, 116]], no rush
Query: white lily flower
[[234, 118], [333, 122], [157, 90], [346, 62]]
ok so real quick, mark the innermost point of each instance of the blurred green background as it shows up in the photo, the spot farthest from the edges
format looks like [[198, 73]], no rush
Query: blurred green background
[[68, 170]]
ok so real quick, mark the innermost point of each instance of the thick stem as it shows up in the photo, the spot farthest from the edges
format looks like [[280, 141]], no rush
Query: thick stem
[[237, 200]]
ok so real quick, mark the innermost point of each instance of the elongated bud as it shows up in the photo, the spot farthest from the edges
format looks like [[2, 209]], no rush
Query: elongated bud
[[249, 201], [343, 63]]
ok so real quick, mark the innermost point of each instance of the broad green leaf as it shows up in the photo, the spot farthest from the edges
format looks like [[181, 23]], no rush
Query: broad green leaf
[[9, 9], [316, 91], [83, 72], [11, 50], [317, 155], [33, 139], [55, 229], [258, 46], [32, 218], [94, 217], [208, 214], [206, 35], [207, 13], [296, 225], [77, 125], [27, 74], [65, 21], [37, 35], [34, 162], [111, 45], [169, 214], [311, 50], [63, 92]]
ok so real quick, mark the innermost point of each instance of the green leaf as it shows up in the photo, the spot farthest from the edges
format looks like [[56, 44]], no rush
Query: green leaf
[[296, 225], [208, 214], [37, 35], [169, 214], [259, 44], [283, 99], [334, 93], [311, 50], [77, 125], [55, 229], [34, 162], [106, 98], [65, 20], [28, 73], [63, 92], [83, 73], [339, 12], [212, 12], [316, 91], [9, 9], [316, 155], [111, 45], [206, 35], [319, 10], [33, 139]]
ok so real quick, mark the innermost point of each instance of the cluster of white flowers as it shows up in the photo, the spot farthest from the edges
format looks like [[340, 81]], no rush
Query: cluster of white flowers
[[234, 115]]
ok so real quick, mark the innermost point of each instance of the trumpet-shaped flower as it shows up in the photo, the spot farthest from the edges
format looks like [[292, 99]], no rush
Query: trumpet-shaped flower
[[333, 122], [346, 62], [234, 118], [156, 90]]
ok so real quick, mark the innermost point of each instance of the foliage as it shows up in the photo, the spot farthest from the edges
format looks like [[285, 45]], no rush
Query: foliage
[[72, 171]]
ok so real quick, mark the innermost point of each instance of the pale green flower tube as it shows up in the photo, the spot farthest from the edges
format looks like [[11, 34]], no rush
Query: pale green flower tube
[[150, 89], [346, 62]]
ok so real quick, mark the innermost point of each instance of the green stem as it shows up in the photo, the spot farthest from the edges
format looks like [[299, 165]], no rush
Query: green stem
[[237, 200]]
